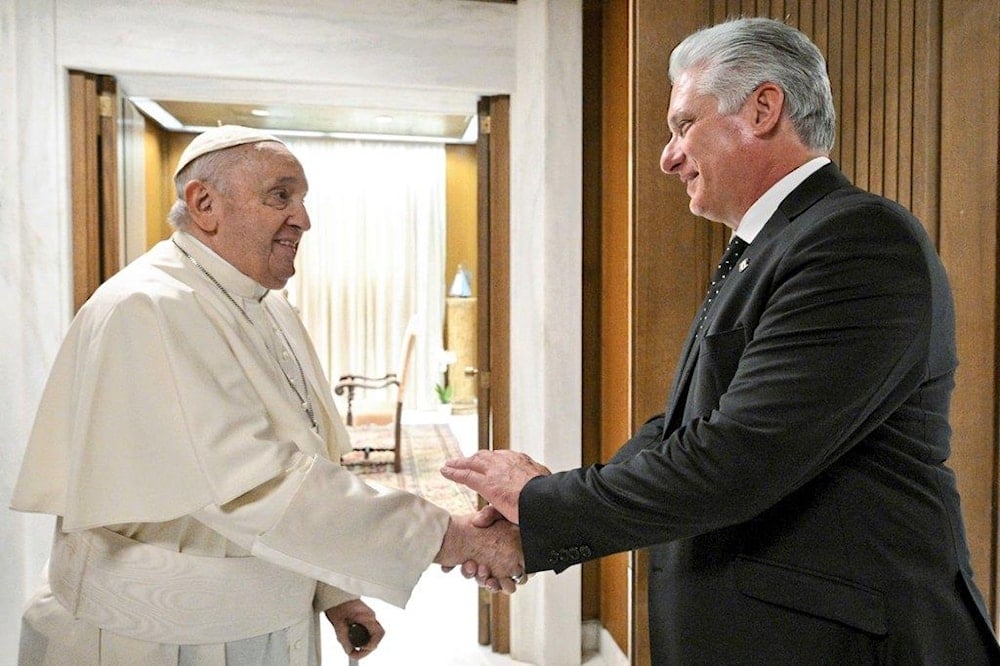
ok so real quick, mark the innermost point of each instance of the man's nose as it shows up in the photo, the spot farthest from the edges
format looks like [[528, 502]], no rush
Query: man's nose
[[300, 218], [671, 158]]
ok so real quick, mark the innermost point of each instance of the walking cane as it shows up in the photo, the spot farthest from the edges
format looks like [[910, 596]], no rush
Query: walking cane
[[358, 635]]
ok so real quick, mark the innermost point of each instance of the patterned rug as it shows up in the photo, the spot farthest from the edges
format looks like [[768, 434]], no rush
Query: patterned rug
[[424, 449]]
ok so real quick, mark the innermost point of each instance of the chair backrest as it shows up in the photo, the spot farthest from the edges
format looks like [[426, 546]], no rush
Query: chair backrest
[[406, 358]]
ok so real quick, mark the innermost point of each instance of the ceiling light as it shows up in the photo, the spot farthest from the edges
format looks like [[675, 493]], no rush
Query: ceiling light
[[157, 113], [276, 131], [406, 138], [383, 120], [260, 113]]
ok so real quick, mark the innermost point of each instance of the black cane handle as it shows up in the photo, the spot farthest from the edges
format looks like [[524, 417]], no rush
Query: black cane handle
[[358, 635]]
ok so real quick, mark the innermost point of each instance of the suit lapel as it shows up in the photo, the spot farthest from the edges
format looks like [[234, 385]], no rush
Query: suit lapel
[[682, 378], [815, 187]]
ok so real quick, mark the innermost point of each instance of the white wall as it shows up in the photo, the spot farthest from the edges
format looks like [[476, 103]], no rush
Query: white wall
[[418, 54], [35, 291], [423, 54], [546, 259]]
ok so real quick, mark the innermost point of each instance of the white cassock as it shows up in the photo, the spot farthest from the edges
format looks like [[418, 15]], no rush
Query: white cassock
[[202, 518]]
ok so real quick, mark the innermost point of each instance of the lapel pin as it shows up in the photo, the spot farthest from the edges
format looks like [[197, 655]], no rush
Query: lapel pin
[[744, 264]]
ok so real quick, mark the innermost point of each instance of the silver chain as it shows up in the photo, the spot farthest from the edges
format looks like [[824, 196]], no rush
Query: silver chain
[[303, 399]]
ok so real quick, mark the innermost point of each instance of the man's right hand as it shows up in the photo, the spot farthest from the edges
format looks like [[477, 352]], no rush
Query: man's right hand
[[499, 476]]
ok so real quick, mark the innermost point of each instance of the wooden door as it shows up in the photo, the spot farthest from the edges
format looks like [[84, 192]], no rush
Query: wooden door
[[93, 111], [107, 170], [493, 323]]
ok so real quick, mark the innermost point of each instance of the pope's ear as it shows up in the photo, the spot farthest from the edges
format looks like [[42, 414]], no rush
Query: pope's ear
[[200, 200]]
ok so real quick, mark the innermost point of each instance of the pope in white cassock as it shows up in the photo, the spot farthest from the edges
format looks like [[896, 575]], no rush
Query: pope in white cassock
[[188, 444]]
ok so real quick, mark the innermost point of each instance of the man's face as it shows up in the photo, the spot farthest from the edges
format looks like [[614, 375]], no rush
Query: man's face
[[709, 153], [261, 215]]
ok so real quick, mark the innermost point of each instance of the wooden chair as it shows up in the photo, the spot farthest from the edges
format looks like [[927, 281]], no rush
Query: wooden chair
[[382, 413]]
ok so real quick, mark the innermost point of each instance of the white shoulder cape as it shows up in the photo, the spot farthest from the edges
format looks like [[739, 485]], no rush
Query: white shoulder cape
[[159, 403]]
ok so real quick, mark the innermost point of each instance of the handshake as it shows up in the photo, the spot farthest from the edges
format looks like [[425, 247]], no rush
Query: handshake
[[487, 545]]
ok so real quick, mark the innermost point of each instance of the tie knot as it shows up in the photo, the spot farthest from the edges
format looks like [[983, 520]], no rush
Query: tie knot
[[736, 247]]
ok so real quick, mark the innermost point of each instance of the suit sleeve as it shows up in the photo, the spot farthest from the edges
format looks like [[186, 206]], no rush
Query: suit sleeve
[[838, 341], [648, 435]]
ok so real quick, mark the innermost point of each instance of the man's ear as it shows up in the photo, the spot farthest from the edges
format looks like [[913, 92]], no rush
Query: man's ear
[[201, 203], [765, 106]]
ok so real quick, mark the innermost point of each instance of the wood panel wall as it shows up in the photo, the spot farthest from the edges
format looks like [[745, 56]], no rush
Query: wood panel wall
[[460, 213], [163, 150], [968, 215], [672, 251], [917, 89], [889, 72]]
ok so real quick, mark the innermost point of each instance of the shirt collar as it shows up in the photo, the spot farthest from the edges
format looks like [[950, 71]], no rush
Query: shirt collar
[[231, 279], [761, 211]]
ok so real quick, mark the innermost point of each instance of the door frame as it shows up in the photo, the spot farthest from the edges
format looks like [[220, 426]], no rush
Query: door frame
[[493, 319], [93, 135]]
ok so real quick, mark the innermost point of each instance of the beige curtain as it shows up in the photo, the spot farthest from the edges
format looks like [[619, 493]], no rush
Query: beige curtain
[[374, 257]]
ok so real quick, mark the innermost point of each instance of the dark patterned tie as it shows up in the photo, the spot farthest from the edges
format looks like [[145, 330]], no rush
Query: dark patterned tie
[[736, 247]]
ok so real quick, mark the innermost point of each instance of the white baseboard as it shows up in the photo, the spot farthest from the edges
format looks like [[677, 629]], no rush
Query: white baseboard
[[610, 652], [596, 640], [590, 636]]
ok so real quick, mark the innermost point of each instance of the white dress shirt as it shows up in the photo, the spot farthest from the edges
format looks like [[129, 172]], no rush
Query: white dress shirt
[[761, 211]]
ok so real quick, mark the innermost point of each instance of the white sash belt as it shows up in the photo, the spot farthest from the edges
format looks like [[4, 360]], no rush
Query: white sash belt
[[157, 595]]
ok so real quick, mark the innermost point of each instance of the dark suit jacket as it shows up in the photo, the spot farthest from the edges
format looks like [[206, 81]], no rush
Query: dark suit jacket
[[794, 493]]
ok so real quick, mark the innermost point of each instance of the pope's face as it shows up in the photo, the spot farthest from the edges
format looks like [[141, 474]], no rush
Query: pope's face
[[261, 214], [708, 152]]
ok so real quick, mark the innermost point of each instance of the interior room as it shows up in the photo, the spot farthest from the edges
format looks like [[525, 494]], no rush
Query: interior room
[[393, 226], [558, 268], [419, 57], [354, 176]]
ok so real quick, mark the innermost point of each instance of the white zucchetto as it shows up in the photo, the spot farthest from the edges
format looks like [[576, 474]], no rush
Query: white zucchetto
[[218, 138]]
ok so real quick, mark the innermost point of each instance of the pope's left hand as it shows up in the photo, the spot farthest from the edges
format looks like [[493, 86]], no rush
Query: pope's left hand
[[343, 616]]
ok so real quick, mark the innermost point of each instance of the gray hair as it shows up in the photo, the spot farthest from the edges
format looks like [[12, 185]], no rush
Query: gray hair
[[213, 168], [736, 56]]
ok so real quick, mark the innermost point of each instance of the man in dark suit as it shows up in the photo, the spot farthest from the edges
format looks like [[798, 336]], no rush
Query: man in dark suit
[[794, 493]]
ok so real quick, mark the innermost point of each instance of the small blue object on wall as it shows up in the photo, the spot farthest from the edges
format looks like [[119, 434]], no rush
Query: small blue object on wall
[[461, 286]]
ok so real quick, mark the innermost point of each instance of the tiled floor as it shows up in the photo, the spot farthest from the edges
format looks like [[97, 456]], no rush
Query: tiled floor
[[439, 625]]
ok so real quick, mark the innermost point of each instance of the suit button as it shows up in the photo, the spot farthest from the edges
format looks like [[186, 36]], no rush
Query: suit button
[[553, 556], [574, 553], [585, 551]]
